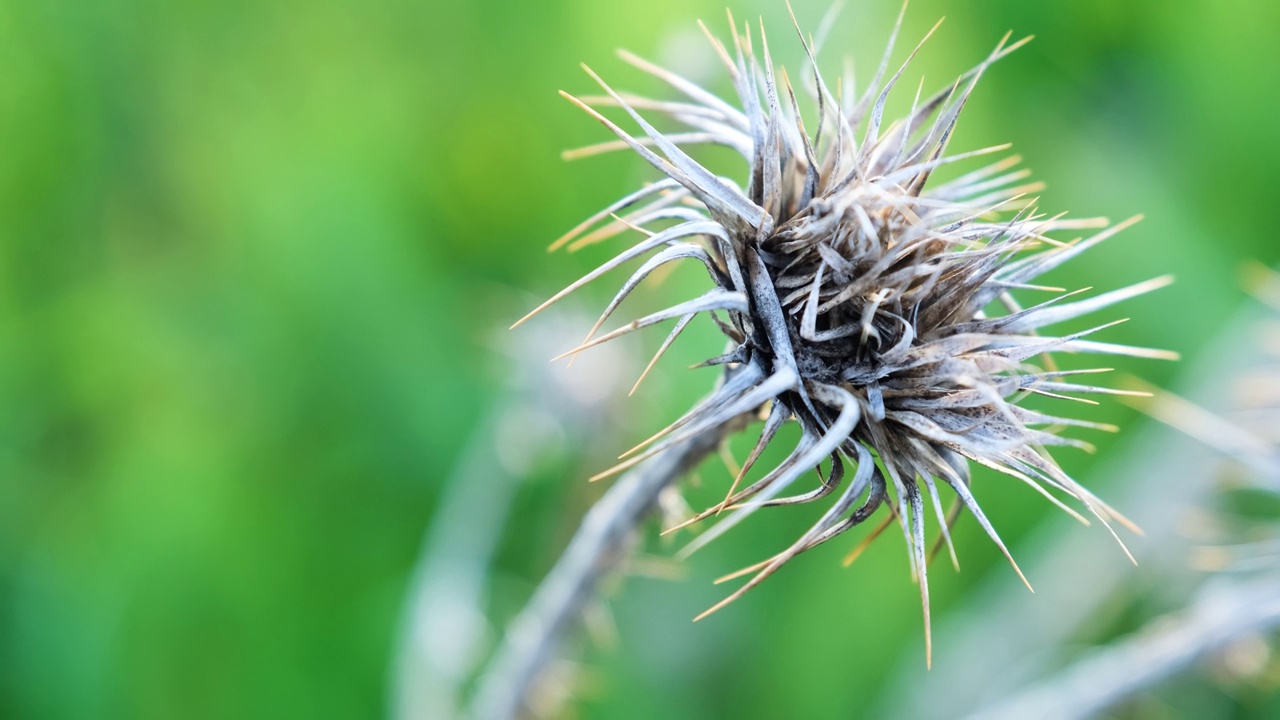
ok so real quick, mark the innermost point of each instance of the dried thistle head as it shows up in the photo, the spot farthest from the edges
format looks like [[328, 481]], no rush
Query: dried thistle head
[[863, 303]]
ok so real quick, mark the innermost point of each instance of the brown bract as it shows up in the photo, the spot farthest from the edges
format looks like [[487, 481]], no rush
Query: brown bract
[[862, 302]]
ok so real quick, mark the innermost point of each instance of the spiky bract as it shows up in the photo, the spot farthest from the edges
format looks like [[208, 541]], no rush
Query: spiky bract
[[861, 302]]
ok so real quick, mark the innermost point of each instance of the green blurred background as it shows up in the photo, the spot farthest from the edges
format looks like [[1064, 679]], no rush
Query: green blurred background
[[257, 263]]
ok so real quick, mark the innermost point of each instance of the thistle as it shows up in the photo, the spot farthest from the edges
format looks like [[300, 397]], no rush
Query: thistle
[[862, 302]]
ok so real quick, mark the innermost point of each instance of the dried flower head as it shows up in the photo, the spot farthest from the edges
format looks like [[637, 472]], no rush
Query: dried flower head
[[871, 308]]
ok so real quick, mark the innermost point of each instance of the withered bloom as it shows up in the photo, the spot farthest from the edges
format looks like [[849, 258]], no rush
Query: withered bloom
[[870, 307]]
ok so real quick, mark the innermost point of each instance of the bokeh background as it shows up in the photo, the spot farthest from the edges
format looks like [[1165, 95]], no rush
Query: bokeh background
[[256, 264]]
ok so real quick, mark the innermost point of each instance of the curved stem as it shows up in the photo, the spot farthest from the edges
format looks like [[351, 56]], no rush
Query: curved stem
[[1222, 613], [534, 636]]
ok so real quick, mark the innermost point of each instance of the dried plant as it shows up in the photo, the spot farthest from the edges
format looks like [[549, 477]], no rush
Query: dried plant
[[862, 302]]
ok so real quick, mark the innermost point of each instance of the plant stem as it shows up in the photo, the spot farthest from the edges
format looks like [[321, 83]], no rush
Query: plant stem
[[534, 636], [1222, 613]]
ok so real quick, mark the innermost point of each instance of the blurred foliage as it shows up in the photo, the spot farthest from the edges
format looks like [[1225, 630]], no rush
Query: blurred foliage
[[254, 258]]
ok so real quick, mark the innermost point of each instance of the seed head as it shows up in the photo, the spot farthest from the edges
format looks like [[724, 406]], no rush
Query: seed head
[[867, 305]]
